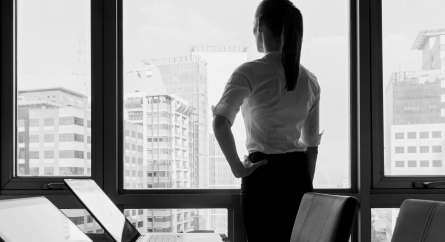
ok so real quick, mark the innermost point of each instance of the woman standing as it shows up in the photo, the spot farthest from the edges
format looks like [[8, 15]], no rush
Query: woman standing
[[279, 99]]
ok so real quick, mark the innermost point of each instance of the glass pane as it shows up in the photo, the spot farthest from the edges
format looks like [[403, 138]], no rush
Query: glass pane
[[178, 220], [414, 87], [83, 220], [53, 88], [383, 222], [178, 55]]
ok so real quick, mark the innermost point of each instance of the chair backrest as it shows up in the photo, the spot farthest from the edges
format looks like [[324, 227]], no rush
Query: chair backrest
[[420, 221], [325, 218]]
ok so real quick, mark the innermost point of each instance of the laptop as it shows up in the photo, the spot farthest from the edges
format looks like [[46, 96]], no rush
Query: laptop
[[36, 219], [116, 224]]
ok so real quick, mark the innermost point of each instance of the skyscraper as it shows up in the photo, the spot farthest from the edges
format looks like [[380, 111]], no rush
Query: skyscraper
[[186, 77], [415, 112]]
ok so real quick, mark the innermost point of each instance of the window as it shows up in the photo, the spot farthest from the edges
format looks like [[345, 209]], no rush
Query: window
[[437, 163], [400, 163], [437, 134], [49, 154], [140, 224], [424, 163], [69, 171], [71, 154], [411, 135], [400, 150], [88, 155], [89, 219], [424, 149], [140, 211], [88, 123], [133, 212], [77, 220], [34, 139], [88, 139], [399, 135], [411, 149], [33, 155], [34, 123], [425, 135], [437, 149], [49, 171], [48, 122], [412, 163], [49, 138]]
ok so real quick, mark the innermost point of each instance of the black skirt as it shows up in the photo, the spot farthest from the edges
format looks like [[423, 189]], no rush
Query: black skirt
[[271, 195]]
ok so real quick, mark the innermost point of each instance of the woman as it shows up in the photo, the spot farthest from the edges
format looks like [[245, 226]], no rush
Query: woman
[[279, 99]]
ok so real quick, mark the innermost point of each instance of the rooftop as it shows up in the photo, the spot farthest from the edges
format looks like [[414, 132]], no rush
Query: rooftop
[[423, 36], [62, 89]]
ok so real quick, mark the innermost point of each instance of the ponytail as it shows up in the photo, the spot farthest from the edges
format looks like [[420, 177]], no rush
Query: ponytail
[[286, 23], [291, 40]]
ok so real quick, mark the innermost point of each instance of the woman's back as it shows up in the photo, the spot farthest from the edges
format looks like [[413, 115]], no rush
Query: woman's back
[[274, 117]]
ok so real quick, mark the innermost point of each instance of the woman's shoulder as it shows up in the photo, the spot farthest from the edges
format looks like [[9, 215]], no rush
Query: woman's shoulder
[[311, 78]]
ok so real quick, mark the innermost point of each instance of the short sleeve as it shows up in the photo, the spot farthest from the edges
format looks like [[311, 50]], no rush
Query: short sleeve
[[236, 90], [310, 135]]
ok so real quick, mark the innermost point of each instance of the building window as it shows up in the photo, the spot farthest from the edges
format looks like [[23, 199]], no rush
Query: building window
[[140, 136], [133, 134], [140, 173], [71, 121], [424, 163], [77, 220], [127, 213], [411, 135], [140, 224], [424, 149], [400, 150], [127, 159], [89, 219], [34, 171], [48, 171], [88, 155], [34, 139], [88, 123], [88, 139], [140, 211], [437, 149], [71, 154], [127, 132], [127, 173], [99, 231], [424, 135], [48, 122], [140, 161], [78, 137], [127, 146], [48, 138], [400, 163], [33, 123], [437, 163], [411, 149], [140, 148], [133, 173], [48, 154], [437, 134], [133, 212], [33, 155], [412, 163], [133, 160], [133, 147], [70, 171]]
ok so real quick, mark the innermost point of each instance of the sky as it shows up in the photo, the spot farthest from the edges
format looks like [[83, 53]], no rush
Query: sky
[[48, 46]]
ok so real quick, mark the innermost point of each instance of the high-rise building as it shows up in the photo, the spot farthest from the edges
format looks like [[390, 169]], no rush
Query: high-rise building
[[156, 132], [186, 77], [53, 133], [415, 113]]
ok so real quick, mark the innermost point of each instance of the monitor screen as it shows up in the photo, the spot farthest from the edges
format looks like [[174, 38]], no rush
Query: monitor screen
[[103, 210], [36, 219]]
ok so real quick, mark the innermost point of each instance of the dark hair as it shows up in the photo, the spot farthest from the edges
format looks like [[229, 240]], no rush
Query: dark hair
[[285, 22]]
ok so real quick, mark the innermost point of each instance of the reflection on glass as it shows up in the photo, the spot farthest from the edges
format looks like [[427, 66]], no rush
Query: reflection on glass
[[383, 222], [53, 88], [178, 220], [414, 82], [83, 220]]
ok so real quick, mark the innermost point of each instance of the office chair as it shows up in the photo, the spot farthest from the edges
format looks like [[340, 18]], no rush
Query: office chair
[[325, 218], [420, 221]]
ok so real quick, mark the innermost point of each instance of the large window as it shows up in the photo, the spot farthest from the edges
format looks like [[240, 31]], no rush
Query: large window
[[53, 87], [177, 58], [413, 86]]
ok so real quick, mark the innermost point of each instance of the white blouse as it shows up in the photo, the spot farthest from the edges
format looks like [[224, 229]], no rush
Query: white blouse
[[276, 120]]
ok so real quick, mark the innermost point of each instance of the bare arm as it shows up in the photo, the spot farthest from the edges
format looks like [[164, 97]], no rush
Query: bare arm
[[311, 154], [224, 136]]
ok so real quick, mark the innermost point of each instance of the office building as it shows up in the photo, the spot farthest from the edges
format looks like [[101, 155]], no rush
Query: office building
[[415, 113], [53, 133], [186, 77]]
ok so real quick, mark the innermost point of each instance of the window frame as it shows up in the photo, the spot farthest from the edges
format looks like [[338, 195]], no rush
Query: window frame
[[379, 178]]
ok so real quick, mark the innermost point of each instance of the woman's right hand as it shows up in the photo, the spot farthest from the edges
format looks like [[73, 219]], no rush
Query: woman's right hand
[[246, 167]]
